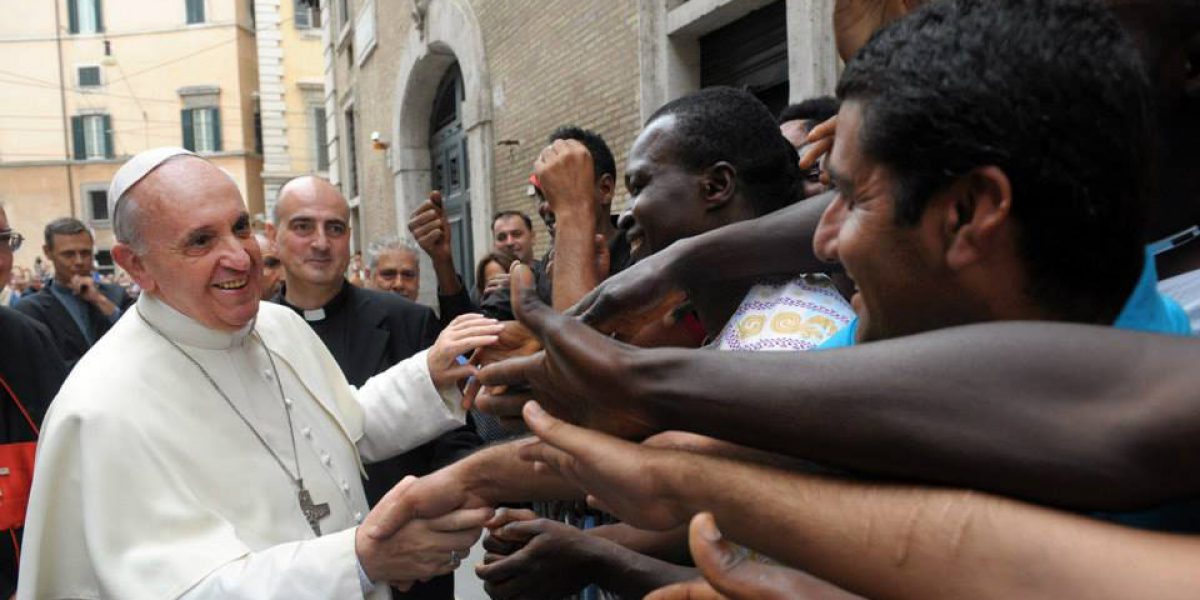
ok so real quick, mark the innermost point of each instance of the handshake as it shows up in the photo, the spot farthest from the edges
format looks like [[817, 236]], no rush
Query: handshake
[[421, 529]]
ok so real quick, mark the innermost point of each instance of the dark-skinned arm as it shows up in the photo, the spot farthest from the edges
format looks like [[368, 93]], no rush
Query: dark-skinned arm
[[565, 171], [779, 243], [493, 475], [1088, 418], [881, 541], [670, 545], [431, 229]]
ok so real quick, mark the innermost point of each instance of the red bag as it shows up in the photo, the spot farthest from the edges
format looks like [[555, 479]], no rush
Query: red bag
[[16, 472], [16, 475]]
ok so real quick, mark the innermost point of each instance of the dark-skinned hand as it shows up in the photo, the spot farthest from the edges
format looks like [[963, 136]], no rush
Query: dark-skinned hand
[[580, 375], [730, 575], [502, 402], [618, 476], [625, 303], [537, 559], [430, 227], [565, 172]]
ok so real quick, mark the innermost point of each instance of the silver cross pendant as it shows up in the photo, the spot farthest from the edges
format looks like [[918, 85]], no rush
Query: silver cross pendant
[[313, 513]]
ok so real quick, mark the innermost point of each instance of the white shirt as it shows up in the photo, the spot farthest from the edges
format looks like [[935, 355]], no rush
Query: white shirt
[[1185, 289], [149, 485]]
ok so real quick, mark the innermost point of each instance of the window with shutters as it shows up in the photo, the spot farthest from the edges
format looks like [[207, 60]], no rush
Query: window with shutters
[[92, 136], [84, 16], [320, 139], [95, 195], [258, 141], [351, 156], [195, 11], [364, 33], [307, 15], [202, 129], [88, 76], [104, 262]]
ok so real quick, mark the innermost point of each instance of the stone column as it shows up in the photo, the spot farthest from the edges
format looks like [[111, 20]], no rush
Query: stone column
[[813, 63]]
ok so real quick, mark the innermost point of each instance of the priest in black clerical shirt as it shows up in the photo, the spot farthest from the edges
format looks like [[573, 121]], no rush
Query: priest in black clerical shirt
[[367, 331]]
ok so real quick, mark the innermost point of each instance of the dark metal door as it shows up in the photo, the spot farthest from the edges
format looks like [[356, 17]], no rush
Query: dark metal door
[[449, 172]]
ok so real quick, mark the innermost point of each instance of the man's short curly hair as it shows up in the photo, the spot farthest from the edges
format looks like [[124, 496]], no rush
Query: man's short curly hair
[[602, 157], [725, 124], [1050, 91]]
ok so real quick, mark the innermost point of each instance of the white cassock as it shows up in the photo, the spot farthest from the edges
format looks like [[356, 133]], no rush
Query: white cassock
[[149, 485]]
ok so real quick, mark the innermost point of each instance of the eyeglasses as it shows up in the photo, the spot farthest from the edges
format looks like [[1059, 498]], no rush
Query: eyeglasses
[[11, 239]]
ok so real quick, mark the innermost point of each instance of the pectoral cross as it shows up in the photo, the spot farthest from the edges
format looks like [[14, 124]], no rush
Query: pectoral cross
[[313, 512]]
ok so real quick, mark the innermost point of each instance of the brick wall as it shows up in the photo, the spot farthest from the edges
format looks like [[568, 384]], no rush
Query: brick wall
[[556, 62], [551, 62]]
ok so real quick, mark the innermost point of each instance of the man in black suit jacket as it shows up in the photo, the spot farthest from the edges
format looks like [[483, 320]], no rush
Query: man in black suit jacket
[[76, 308], [367, 331]]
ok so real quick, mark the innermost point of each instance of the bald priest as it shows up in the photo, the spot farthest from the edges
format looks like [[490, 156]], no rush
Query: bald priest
[[209, 446]]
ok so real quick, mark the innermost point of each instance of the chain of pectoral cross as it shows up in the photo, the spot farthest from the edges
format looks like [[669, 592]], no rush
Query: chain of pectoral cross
[[312, 512]]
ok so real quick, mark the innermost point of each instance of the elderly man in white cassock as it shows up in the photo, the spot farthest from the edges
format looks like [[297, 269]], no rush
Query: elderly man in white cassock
[[209, 446]]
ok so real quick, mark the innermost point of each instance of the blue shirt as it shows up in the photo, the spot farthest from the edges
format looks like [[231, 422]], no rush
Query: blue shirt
[[79, 309], [1146, 310]]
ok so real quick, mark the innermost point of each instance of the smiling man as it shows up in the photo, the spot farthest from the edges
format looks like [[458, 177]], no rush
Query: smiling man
[[952, 210], [394, 265], [366, 331], [953, 179], [209, 445]]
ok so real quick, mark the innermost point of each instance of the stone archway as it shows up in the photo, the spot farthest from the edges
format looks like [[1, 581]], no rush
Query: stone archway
[[444, 32]]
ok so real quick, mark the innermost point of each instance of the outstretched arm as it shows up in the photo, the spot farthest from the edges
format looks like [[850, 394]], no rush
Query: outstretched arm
[[1083, 417], [882, 541], [779, 243]]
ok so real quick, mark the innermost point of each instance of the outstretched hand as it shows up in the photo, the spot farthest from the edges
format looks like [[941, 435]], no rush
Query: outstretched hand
[[640, 295], [581, 375], [620, 477], [537, 559], [424, 545], [730, 575], [431, 496], [466, 333]]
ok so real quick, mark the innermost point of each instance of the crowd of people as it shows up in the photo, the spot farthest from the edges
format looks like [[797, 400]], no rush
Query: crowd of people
[[929, 338]]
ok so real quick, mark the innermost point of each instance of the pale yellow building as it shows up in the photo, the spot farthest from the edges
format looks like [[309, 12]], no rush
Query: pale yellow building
[[89, 83], [291, 92]]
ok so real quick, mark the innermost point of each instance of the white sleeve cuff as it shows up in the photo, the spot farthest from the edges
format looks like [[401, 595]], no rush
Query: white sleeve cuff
[[364, 582]]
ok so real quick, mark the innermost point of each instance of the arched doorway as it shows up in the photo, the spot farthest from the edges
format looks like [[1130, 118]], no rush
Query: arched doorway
[[449, 168], [448, 39]]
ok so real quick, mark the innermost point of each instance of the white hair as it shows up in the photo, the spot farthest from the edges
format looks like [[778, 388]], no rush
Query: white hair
[[388, 243]]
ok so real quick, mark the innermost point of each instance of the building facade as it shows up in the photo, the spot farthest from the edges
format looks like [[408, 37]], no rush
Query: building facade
[[96, 81], [460, 95], [291, 88]]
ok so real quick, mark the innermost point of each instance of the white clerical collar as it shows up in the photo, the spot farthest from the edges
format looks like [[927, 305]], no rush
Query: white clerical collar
[[186, 330]]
